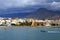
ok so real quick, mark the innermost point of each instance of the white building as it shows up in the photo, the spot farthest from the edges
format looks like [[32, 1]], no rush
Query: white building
[[22, 20], [2, 22]]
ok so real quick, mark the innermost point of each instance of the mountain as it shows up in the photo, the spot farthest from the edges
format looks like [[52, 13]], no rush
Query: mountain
[[41, 13], [44, 13]]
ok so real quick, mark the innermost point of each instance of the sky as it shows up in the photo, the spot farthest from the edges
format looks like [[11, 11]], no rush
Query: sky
[[53, 4], [49, 4]]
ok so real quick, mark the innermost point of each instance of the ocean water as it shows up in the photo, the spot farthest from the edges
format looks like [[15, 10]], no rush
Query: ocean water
[[29, 33]]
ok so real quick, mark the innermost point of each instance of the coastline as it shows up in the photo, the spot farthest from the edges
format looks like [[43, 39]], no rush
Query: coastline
[[33, 26]]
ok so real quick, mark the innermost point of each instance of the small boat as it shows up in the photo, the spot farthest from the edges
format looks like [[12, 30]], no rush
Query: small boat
[[43, 31]]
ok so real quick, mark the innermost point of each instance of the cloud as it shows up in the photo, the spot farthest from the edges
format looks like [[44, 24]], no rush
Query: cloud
[[55, 5], [20, 3], [24, 3]]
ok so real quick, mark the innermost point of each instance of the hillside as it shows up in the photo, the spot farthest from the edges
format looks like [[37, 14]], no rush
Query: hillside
[[43, 13]]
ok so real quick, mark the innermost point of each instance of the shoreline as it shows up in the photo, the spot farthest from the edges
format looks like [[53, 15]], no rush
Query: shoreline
[[35, 26]]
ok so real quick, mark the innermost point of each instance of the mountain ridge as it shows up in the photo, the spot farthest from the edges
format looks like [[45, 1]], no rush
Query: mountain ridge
[[44, 13], [41, 13]]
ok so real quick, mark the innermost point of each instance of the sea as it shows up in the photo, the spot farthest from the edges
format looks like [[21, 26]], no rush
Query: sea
[[29, 33]]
